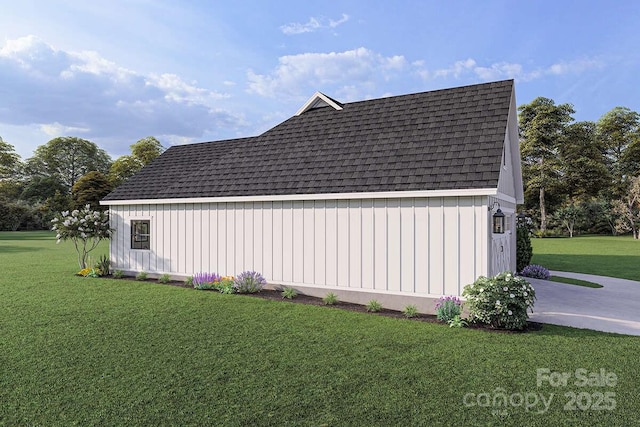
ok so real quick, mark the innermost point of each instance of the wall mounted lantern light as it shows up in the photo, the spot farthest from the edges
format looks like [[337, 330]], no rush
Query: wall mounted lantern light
[[498, 219]]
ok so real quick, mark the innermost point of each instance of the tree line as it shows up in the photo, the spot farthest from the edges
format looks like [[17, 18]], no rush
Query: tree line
[[64, 174], [580, 176]]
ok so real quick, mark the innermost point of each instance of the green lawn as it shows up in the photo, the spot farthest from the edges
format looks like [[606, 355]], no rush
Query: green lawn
[[614, 256], [81, 351]]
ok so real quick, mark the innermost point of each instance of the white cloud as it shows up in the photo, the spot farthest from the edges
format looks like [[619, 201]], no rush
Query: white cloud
[[458, 68], [308, 72], [178, 90], [344, 18], [56, 129], [573, 67], [82, 92], [297, 28], [503, 70], [312, 25]]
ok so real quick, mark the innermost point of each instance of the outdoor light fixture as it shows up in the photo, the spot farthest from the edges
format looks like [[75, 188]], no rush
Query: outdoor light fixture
[[498, 219]]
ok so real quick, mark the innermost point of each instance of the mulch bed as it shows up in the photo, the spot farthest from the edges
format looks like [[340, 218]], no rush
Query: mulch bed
[[276, 295]]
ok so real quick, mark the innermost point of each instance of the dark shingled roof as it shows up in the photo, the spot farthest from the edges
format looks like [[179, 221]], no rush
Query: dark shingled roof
[[439, 140]]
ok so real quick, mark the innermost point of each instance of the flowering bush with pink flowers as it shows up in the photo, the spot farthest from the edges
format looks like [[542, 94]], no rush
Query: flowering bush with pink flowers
[[501, 301]]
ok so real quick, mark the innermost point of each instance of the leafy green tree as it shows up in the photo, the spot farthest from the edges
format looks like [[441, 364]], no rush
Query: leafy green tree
[[40, 188], [583, 164], [569, 216], [12, 214], [146, 150], [542, 131], [630, 162], [123, 168], [143, 152], [90, 189], [10, 163], [59, 202], [10, 189], [67, 159], [618, 130], [599, 217]]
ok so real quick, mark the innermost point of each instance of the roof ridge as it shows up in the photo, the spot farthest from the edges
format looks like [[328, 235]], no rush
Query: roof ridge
[[493, 83]]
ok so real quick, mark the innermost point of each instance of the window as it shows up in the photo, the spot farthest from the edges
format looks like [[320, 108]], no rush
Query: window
[[140, 234]]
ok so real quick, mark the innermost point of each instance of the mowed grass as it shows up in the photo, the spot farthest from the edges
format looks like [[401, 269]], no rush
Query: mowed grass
[[614, 256], [82, 351]]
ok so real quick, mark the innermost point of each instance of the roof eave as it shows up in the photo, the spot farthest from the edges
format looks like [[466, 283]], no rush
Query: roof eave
[[301, 197]]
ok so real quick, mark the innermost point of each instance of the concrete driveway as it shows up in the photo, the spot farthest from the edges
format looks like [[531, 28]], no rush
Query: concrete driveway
[[613, 308]]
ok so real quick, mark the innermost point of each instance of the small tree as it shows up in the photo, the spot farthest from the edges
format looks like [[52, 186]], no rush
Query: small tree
[[628, 210], [569, 215], [85, 228]]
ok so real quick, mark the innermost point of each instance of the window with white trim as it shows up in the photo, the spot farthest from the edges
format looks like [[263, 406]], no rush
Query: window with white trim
[[140, 234]]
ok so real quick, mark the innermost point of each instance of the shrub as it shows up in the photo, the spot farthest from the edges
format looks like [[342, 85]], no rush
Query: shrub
[[410, 311], [103, 264], [501, 301], [536, 272], [524, 251], [165, 278], [289, 293], [226, 285], [189, 281], [118, 274], [142, 276], [330, 298], [447, 308], [249, 282], [457, 322], [374, 306]]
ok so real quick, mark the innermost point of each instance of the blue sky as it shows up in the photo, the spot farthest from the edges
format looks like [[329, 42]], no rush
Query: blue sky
[[186, 71]]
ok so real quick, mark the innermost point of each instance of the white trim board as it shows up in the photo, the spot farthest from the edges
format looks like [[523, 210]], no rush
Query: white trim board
[[324, 196]]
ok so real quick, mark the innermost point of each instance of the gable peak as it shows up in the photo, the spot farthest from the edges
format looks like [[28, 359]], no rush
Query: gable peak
[[318, 100]]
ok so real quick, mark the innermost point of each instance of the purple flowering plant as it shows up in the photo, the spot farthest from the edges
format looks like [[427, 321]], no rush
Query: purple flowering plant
[[206, 280], [448, 307], [536, 272], [249, 282]]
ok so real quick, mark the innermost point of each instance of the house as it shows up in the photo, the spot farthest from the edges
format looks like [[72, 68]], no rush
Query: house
[[390, 198]]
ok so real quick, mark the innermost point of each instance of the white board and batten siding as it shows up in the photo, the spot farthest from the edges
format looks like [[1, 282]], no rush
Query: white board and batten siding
[[428, 246]]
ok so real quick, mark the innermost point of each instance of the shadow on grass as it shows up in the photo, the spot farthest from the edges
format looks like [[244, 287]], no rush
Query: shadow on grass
[[571, 332], [12, 249], [28, 235], [621, 266]]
